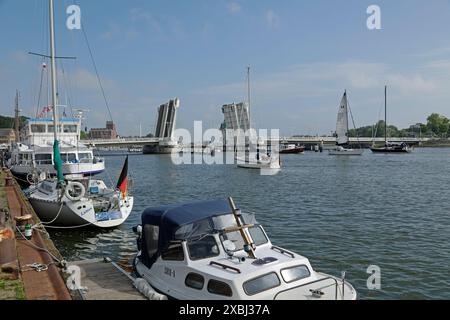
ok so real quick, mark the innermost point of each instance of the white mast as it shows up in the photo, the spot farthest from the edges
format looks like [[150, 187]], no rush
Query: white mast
[[53, 67], [249, 98]]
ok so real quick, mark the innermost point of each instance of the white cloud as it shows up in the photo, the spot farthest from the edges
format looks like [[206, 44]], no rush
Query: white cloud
[[140, 15], [84, 80], [234, 7], [272, 19]]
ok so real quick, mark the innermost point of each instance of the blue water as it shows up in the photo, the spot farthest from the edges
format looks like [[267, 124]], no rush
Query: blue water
[[344, 214]]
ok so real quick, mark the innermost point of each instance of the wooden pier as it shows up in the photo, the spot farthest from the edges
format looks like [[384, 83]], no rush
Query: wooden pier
[[102, 279]]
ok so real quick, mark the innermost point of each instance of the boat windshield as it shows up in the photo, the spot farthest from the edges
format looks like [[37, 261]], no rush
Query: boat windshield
[[211, 225], [256, 233]]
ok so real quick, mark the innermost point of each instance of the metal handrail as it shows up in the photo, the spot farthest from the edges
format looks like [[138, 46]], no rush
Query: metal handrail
[[312, 282], [283, 251], [224, 266]]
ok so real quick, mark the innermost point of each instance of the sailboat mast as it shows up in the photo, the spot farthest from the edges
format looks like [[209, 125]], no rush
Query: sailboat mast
[[385, 115], [53, 66], [249, 97], [16, 117]]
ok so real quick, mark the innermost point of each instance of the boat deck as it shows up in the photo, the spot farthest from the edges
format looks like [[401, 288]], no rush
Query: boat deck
[[105, 280]]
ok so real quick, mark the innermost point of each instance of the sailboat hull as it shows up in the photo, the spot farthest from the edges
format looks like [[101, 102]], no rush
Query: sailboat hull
[[390, 150], [346, 152]]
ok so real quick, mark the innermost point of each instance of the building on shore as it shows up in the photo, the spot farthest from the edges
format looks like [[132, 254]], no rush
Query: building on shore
[[108, 133], [7, 136]]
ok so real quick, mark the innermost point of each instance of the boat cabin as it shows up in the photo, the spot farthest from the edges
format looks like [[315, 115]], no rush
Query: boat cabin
[[40, 132], [198, 251]]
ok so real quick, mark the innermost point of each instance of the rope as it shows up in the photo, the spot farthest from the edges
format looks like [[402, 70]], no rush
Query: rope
[[96, 72], [38, 248]]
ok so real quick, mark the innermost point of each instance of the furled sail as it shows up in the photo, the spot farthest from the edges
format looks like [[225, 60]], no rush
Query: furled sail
[[342, 122]]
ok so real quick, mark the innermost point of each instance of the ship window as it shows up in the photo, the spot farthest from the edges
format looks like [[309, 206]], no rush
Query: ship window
[[151, 235], [219, 288], [174, 252], [195, 281], [70, 128], [203, 248], [258, 236], [69, 157], [261, 284], [38, 128], [43, 158], [84, 156], [51, 128], [295, 273]]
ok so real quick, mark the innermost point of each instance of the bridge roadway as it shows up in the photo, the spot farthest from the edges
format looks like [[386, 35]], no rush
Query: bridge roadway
[[137, 142]]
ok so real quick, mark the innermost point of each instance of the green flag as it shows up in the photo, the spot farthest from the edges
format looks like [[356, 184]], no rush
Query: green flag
[[58, 162]]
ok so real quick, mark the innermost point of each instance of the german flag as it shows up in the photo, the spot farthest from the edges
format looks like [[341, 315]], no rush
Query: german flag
[[122, 183]]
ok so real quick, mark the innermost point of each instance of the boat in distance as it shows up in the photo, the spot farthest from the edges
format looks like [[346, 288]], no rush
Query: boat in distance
[[291, 149], [213, 251], [342, 136]]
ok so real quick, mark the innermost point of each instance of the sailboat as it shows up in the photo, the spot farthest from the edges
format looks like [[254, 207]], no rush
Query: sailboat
[[262, 158], [75, 201], [342, 139], [390, 147]]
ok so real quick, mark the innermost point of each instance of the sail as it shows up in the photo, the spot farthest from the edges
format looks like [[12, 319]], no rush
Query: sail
[[58, 162], [342, 122]]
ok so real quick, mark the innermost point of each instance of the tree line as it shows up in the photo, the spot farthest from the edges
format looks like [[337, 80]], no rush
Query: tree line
[[437, 126]]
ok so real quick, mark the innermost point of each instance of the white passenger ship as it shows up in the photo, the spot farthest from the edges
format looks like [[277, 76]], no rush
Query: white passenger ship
[[34, 154]]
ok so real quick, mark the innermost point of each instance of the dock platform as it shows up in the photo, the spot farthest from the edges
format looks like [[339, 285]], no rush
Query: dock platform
[[105, 280]]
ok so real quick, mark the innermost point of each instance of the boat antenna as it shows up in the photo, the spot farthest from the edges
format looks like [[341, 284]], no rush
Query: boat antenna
[[248, 245]]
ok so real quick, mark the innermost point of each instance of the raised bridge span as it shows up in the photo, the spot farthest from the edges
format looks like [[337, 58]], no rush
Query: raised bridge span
[[136, 142]]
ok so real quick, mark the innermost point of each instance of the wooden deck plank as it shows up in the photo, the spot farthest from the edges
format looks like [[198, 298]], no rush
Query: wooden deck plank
[[105, 281]]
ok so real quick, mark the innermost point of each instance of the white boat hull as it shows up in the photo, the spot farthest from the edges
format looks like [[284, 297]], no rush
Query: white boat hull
[[346, 152], [270, 163]]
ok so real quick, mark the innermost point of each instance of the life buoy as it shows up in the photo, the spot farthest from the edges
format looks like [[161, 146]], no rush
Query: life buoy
[[75, 191]]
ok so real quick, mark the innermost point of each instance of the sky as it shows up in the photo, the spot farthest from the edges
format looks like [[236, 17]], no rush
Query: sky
[[303, 55]]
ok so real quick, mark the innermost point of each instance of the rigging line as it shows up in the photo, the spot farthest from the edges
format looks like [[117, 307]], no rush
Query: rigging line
[[354, 125], [96, 72], [40, 89]]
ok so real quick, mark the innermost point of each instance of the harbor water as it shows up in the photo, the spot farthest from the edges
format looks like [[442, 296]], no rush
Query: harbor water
[[343, 213]]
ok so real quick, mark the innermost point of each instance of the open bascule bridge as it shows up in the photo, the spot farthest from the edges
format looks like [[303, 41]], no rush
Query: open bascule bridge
[[164, 141]]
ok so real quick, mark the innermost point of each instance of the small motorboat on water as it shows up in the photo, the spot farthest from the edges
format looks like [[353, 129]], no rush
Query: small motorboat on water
[[258, 162], [291, 149], [214, 251]]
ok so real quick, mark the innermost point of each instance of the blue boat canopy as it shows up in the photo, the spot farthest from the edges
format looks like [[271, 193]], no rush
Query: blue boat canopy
[[186, 222]]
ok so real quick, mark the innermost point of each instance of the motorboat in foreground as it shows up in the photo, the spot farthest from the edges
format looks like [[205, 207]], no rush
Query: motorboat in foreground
[[213, 251]]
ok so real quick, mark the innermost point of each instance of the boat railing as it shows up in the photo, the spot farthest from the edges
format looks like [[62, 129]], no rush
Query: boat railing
[[283, 251], [224, 266], [319, 290]]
